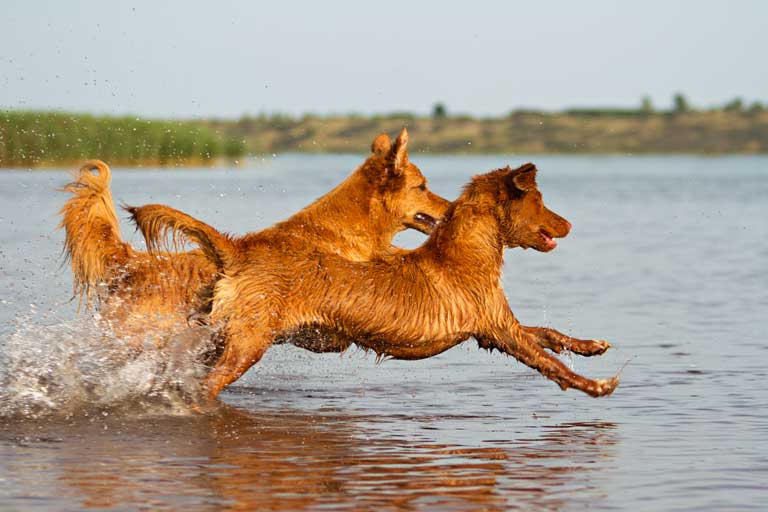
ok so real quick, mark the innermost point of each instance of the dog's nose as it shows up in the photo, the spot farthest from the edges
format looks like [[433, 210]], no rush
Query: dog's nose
[[567, 228]]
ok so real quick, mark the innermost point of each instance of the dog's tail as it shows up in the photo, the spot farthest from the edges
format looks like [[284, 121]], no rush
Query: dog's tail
[[92, 244], [157, 222]]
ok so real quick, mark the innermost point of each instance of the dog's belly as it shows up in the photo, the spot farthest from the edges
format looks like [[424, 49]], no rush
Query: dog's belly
[[322, 338], [412, 349], [316, 338]]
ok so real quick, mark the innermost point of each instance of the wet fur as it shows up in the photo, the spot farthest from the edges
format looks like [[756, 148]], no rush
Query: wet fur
[[139, 292], [357, 220], [133, 290], [408, 305]]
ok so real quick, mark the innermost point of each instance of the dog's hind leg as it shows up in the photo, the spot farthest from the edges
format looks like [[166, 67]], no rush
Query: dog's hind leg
[[557, 342], [245, 345]]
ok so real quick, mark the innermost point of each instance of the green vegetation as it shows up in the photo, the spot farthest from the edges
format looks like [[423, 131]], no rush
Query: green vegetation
[[646, 105], [32, 139], [439, 111], [681, 104]]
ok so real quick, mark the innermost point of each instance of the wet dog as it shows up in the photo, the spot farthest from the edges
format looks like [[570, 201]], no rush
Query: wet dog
[[404, 305], [140, 293]]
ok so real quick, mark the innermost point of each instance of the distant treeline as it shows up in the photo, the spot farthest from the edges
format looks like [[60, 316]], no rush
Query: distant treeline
[[575, 131], [735, 127], [31, 139]]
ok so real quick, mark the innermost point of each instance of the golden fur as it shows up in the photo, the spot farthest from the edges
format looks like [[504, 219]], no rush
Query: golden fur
[[408, 305], [133, 289], [356, 220], [140, 293]]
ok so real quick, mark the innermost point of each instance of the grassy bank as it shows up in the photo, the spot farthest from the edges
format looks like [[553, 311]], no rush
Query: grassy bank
[[578, 131], [35, 139]]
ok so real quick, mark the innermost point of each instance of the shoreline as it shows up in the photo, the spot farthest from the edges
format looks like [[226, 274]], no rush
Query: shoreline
[[252, 161], [45, 139], [149, 165]]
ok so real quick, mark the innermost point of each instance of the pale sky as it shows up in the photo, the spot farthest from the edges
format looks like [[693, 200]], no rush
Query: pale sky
[[226, 58]]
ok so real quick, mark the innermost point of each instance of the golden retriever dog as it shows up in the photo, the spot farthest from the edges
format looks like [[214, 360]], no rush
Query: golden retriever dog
[[140, 293], [414, 304]]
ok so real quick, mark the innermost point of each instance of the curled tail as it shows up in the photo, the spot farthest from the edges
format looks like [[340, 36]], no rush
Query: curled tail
[[157, 221], [92, 244]]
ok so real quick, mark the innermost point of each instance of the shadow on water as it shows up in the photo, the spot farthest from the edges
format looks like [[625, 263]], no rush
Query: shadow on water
[[237, 459]]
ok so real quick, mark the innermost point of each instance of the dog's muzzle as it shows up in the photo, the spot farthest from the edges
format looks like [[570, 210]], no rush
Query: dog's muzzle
[[425, 220]]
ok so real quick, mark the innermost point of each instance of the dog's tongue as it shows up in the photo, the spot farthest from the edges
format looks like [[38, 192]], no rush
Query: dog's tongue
[[551, 243]]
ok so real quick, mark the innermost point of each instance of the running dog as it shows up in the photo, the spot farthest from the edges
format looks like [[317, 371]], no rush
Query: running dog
[[405, 305], [139, 293]]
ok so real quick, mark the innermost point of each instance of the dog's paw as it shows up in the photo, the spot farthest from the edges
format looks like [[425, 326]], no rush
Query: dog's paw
[[604, 387], [601, 346], [590, 347]]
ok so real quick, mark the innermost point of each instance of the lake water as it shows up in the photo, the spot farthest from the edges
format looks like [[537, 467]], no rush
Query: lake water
[[668, 259]]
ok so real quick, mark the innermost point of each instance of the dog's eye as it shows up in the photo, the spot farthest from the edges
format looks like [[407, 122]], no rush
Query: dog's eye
[[423, 186]]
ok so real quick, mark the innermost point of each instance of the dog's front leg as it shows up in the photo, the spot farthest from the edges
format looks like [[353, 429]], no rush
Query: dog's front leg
[[557, 342], [512, 339]]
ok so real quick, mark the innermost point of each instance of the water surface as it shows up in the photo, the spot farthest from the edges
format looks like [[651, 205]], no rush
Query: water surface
[[668, 259]]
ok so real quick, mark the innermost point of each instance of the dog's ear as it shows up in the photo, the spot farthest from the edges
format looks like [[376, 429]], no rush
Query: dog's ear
[[523, 178], [381, 145], [400, 152]]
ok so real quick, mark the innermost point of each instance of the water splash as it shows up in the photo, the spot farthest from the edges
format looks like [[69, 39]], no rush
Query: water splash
[[68, 368]]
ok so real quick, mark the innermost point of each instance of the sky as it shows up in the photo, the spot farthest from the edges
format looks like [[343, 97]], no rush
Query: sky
[[230, 58]]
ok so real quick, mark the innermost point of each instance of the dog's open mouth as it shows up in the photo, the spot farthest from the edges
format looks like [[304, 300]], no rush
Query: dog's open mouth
[[424, 222], [549, 241]]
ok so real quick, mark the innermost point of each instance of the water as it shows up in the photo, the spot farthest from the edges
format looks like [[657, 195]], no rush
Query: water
[[667, 259]]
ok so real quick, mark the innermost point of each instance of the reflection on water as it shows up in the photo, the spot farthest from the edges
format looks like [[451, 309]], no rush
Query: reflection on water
[[237, 459], [666, 260]]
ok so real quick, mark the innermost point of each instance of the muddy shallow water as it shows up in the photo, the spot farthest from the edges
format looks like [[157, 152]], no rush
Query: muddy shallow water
[[667, 259]]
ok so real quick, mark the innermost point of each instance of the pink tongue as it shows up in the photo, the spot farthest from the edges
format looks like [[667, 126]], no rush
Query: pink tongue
[[551, 244]]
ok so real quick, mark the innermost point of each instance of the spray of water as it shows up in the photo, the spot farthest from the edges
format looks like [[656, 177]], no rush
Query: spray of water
[[79, 366]]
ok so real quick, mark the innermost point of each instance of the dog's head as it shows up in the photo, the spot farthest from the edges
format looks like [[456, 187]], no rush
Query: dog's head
[[525, 221], [400, 187]]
